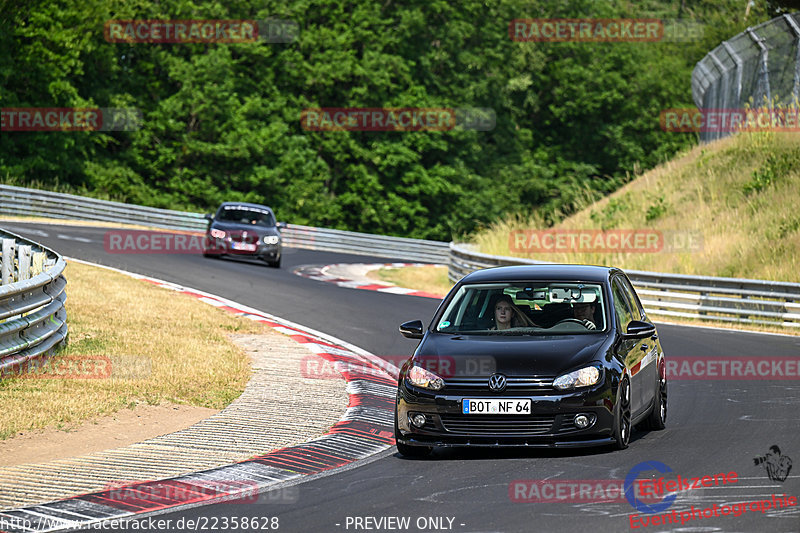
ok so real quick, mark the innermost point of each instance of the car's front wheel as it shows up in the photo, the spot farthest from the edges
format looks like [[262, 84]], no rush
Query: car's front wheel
[[622, 422]]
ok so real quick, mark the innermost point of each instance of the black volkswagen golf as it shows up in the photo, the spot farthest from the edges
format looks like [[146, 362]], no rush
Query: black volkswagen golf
[[532, 356]]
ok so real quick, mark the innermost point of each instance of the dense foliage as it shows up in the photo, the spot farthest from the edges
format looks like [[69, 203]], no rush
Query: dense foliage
[[222, 121]]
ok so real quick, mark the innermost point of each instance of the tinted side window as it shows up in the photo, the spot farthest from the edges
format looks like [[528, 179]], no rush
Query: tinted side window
[[636, 305], [621, 306]]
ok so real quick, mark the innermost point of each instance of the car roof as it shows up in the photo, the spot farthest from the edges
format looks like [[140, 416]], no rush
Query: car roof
[[545, 272], [244, 204]]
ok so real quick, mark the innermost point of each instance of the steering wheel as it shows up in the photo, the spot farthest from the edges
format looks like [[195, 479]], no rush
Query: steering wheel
[[588, 324]]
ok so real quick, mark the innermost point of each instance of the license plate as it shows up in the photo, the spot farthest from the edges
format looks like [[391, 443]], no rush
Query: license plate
[[244, 246], [495, 406]]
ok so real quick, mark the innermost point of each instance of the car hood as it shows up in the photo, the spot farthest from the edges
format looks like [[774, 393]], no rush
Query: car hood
[[479, 356], [235, 227]]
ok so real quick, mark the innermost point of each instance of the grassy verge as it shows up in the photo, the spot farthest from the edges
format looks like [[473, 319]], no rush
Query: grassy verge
[[738, 194], [163, 348], [431, 279]]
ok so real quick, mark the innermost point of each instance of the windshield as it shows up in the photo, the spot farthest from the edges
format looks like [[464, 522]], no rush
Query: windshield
[[246, 215], [525, 308]]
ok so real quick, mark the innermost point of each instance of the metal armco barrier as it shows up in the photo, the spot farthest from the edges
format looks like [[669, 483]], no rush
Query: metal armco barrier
[[33, 320], [746, 301], [677, 295], [351, 242], [33, 202]]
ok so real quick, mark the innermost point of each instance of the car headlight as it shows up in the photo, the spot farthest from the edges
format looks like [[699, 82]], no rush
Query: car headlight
[[579, 378], [217, 233], [272, 239], [425, 379]]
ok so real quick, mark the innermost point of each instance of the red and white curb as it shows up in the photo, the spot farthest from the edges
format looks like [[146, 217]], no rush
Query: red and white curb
[[366, 428], [323, 273]]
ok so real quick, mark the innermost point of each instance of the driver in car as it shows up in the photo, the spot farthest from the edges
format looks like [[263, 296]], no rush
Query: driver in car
[[585, 313]]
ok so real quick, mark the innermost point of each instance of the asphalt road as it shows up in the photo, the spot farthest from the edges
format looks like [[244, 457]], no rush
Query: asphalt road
[[713, 426]]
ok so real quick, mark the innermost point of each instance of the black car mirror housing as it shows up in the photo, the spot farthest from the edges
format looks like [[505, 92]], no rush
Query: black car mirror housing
[[639, 329], [412, 329]]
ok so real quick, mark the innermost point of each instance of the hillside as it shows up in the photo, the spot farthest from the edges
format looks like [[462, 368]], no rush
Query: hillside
[[740, 196], [222, 121]]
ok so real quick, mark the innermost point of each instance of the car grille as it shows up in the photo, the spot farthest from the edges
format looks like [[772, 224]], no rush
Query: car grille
[[518, 385], [497, 425]]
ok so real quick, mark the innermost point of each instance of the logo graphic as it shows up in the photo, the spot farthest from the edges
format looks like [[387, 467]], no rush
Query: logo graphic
[[497, 382], [777, 465], [637, 503]]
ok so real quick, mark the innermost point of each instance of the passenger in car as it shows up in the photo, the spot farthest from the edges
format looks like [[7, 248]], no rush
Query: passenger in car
[[507, 315]]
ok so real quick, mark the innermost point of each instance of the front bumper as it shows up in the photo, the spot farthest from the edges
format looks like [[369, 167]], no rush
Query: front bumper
[[549, 425], [267, 252]]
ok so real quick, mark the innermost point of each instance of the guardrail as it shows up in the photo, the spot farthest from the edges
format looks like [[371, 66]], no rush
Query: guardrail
[[351, 242], [676, 295], [33, 202], [33, 320], [745, 301]]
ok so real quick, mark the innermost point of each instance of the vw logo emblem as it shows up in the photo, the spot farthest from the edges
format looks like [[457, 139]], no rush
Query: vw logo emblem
[[497, 382]]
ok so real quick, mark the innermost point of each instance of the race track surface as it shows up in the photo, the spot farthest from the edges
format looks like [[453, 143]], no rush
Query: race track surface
[[713, 426]]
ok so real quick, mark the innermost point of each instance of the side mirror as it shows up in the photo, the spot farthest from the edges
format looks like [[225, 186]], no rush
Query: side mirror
[[281, 225], [412, 329], [638, 329], [209, 217]]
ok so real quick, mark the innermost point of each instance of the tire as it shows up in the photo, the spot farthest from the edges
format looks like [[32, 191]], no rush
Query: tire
[[657, 419], [409, 451], [622, 420]]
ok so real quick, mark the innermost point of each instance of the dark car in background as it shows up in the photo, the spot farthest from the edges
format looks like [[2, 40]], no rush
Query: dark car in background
[[580, 368], [244, 229]]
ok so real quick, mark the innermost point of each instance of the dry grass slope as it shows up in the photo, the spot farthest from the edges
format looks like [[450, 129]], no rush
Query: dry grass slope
[[740, 194], [164, 348]]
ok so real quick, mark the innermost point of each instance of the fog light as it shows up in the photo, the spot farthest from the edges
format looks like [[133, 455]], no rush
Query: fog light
[[582, 421], [417, 420]]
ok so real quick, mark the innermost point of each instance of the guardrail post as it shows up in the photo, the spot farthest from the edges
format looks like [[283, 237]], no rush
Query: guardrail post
[[24, 259], [37, 264], [7, 264]]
